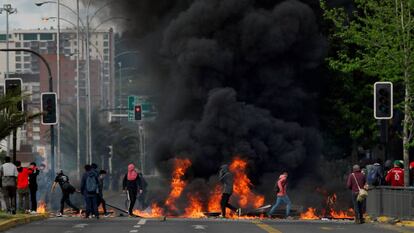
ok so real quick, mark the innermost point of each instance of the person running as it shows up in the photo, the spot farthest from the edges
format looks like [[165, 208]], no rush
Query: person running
[[23, 187], [90, 190], [34, 172], [9, 184], [132, 184], [395, 176], [101, 200], [226, 178], [356, 181], [67, 190], [281, 193]]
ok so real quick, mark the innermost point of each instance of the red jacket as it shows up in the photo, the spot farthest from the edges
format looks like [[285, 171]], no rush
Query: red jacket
[[395, 177], [23, 178], [352, 182], [282, 184]]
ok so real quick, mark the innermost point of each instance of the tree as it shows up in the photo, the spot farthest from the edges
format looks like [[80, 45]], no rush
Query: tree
[[376, 39]]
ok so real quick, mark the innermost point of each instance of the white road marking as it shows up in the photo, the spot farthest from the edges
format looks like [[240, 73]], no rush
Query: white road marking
[[142, 222], [133, 231], [137, 226], [199, 227], [82, 225]]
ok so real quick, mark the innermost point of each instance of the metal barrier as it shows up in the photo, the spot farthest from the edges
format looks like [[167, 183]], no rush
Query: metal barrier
[[389, 201]]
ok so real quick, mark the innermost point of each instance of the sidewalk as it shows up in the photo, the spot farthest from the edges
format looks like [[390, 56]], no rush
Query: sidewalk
[[10, 221]]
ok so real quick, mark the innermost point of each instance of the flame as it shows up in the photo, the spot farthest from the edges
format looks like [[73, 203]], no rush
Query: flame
[[41, 207], [194, 208], [154, 212], [342, 214], [242, 185], [177, 182], [310, 214], [214, 201]]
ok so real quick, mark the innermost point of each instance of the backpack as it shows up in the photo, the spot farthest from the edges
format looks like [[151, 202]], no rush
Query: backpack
[[373, 176], [91, 183]]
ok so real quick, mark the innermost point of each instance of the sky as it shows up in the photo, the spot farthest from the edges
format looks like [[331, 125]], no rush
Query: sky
[[29, 16]]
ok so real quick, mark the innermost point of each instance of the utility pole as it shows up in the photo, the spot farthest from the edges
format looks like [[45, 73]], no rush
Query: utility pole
[[120, 88], [59, 158], [77, 94], [88, 89]]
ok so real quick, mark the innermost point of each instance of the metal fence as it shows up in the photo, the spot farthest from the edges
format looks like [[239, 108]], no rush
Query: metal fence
[[391, 201]]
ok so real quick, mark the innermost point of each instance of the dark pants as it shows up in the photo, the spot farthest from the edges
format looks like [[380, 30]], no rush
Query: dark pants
[[102, 201], [91, 204], [132, 197], [10, 197], [358, 207], [66, 199], [33, 199], [23, 199], [225, 204]]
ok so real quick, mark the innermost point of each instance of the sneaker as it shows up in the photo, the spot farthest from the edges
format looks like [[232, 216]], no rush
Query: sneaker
[[239, 212], [221, 216], [59, 215], [33, 212], [107, 215]]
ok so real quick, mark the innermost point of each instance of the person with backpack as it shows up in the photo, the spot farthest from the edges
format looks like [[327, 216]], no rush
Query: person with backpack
[[375, 174], [132, 184], [281, 193], [90, 190], [67, 190], [227, 179], [355, 182]]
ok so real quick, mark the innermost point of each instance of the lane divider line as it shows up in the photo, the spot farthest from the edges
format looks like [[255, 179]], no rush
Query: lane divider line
[[266, 227], [142, 222]]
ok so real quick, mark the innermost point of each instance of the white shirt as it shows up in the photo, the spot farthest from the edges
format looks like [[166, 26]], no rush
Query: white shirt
[[8, 169]]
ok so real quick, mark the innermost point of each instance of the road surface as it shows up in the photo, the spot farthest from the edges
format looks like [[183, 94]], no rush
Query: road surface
[[133, 225]]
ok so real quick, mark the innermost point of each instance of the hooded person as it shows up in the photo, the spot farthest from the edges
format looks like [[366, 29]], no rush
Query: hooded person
[[67, 189], [132, 184], [281, 195], [90, 190], [226, 178]]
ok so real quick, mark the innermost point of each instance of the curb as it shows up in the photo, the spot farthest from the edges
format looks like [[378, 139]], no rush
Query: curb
[[405, 224], [19, 221]]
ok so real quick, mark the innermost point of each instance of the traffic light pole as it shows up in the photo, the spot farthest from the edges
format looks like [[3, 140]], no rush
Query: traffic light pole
[[52, 128]]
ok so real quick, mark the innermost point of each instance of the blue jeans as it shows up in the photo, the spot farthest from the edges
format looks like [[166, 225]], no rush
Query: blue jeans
[[281, 199], [91, 204]]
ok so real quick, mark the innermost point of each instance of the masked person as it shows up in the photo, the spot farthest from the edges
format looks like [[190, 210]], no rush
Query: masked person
[[226, 178], [34, 172], [67, 190], [281, 193], [132, 184], [9, 174]]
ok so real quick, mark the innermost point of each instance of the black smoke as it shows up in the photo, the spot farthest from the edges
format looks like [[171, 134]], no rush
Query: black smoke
[[233, 77]]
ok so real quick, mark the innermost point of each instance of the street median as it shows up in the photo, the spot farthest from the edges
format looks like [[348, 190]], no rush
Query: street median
[[10, 221]]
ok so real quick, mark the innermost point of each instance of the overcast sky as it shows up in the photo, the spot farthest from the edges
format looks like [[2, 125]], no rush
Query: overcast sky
[[29, 16]]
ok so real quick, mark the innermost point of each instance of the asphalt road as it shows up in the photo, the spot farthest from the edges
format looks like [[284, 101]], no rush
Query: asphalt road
[[133, 225]]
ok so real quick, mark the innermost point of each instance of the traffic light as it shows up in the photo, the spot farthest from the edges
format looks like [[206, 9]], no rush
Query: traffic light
[[138, 112], [13, 87], [49, 116], [383, 100]]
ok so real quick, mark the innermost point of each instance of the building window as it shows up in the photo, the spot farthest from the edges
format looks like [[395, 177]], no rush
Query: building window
[[18, 44], [26, 65], [26, 59], [106, 51], [46, 36], [30, 36], [96, 43], [106, 57], [18, 65], [18, 58], [26, 44], [106, 36], [3, 37], [106, 44]]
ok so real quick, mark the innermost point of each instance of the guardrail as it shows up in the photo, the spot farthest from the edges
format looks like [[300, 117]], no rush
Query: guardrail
[[397, 202]]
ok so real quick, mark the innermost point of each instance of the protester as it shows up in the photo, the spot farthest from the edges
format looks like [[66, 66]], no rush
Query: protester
[[67, 190], [34, 172], [375, 174], [395, 176], [356, 181], [23, 187], [90, 190], [281, 193], [226, 178], [132, 184], [101, 200], [9, 184]]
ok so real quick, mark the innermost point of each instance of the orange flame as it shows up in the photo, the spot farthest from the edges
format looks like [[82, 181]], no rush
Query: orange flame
[[214, 201], [177, 182], [310, 214], [242, 185], [41, 207], [342, 214], [194, 208], [154, 212]]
